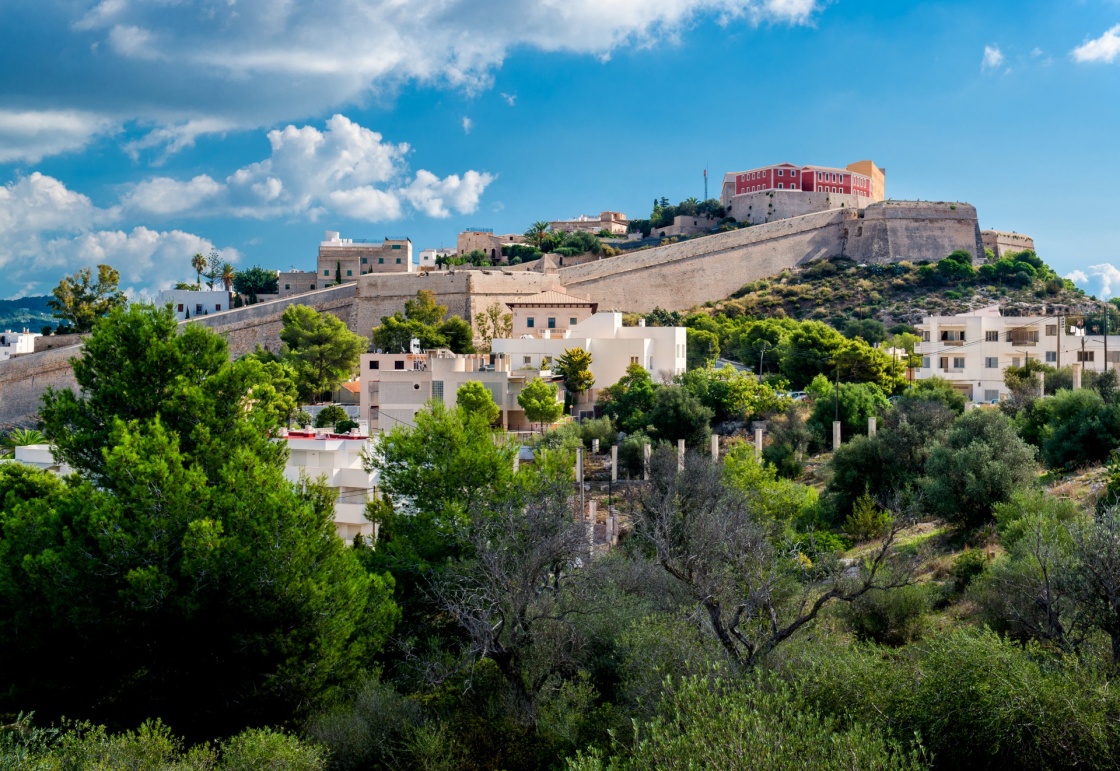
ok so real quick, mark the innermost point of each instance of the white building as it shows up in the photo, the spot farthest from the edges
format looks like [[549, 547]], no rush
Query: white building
[[41, 457], [190, 304], [428, 257], [12, 343], [338, 461], [972, 350]]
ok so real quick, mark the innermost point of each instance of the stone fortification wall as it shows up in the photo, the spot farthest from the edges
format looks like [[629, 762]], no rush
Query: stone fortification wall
[[773, 205], [892, 231], [50, 342], [686, 274], [260, 324], [24, 379], [1002, 243], [464, 292]]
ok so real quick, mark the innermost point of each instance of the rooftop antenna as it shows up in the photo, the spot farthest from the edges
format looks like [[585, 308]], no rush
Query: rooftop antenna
[[705, 184]]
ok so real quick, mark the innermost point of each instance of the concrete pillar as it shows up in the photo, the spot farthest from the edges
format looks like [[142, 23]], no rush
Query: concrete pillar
[[614, 527], [758, 444], [579, 478], [715, 446], [645, 461], [614, 463], [1041, 384], [517, 460], [610, 522], [1076, 366], [592, 512], [836, 434], [872, 425], [680, 455], [595, 446], [591, 526]]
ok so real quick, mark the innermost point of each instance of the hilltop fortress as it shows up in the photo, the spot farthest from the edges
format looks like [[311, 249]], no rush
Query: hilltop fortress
[[675, 276]]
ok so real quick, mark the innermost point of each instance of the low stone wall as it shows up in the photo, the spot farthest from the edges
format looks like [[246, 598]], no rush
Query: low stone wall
[[773, 205], [24, 379], [50, 342]]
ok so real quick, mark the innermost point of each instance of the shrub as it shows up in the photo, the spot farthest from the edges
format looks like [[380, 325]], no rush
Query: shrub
[[968, 567], [889, 617], [345, 426], [329, 416], [601, 429], [630, 458], [867, 521], [302, 418]]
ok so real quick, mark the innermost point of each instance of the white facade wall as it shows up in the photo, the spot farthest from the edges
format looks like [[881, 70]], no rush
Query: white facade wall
[[12, 343], [613, 348], [196, 303], [338, 463], [972, 351], [428, 257]]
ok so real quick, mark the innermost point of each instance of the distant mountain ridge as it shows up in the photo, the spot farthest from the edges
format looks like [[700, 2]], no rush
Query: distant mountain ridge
[[30, 312]]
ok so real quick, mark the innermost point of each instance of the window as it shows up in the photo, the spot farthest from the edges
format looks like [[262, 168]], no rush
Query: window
[[396, 246], [198, 308], [528, 360], [327, 272], [991, 336], [552, 322], [991, 362], [437, 389], [380, 260], [530, 322], [944, 362], [952, 336], [925, 362], [1051, 330], [398, 364], [958, 362], [180, 307], [1051, 357], [398, 260], [365, 260], [287, 286], [633, 359], [991, 395], [374, 364], [925, 336], [1085, 356], [312, 286], [218, 307], [572, 321], [781, 172], [349, 273], [1014, 361]]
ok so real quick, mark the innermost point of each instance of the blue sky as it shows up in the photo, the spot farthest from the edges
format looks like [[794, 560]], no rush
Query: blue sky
[[137, 132]]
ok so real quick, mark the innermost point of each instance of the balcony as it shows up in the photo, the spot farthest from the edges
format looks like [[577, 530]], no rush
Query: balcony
[[956, 343]]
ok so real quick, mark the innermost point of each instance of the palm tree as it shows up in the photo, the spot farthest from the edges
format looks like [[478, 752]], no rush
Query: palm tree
[[536, 232], [227, 273], [20, 437], [198, 262]]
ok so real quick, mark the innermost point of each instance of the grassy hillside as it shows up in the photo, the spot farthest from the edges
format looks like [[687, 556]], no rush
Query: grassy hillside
[[838, 290]]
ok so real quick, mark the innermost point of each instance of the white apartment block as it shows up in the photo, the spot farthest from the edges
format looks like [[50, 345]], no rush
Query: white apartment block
[[337, 460], [344, 259], [428, 258], [972, 350], [396, 386], [611, 221], [190, 304], [12, 343]]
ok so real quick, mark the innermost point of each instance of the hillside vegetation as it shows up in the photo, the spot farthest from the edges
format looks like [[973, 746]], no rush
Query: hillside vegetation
[[837, 290]]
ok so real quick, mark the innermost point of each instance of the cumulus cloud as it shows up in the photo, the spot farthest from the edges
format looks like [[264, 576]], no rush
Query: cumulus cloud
[[30, 135], [1101, 280], [993, 58], [257, 62], [468, 124], [1103, 49], [47, 230], [344, 168]]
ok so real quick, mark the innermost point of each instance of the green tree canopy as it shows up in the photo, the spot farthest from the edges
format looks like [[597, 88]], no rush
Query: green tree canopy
[[458, 334], [702, 348], [677, 414], [204, 587], [424, 308], [857, 402], [322, 350], [629, 401], [79, 300], [730, 394], [574, 365], [255, 281], [538, 399], [474, 397]]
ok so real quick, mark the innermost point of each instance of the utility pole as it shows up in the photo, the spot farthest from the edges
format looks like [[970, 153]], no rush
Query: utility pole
[[761, 354], [1106, 337], [836, 394], [1061, 334]]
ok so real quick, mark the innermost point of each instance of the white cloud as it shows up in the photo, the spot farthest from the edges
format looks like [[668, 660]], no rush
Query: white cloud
[[164, 196], [993, 58], [511, 99], [1101, 280], [251, 63], [170, 139], [1103, 49], [468, 124], [47, 231], [438, 197], [30, 135]]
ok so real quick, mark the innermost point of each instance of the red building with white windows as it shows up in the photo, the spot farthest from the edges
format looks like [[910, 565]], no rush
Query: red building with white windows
[[807, 179], [818, 188]]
